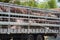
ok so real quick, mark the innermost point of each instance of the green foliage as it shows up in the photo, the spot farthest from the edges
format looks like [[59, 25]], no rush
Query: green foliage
[[24, 3], [52, 4], [32, 3], [17, 2], [43, 5], [29, 3], [49, 4], [4, 1], [58, 0]]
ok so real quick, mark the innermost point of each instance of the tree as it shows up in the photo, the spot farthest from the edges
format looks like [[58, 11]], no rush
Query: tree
[[48, 4], [4, 1], [32, 3], [52, 3], [16, 2], [43, 5], [58, 0]]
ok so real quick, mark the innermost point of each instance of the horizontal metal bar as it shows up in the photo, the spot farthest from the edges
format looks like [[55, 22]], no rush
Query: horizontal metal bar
[[13, 23], [31, 18], [31, 24], [29, 15]]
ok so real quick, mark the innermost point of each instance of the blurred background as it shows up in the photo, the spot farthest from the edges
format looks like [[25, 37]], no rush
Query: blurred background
[[45, 4]]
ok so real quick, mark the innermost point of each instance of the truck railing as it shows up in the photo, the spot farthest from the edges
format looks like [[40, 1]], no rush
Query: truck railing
[[26, 15], [31, 24]]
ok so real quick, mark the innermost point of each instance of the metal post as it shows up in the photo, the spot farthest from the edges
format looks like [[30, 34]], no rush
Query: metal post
[[28, 22], [9, 17], [29, 18]]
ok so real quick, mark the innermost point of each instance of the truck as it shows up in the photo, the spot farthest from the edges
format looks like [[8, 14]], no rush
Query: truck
[[19, 22]]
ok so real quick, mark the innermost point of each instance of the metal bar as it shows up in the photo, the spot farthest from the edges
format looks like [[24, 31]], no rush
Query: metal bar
[[29, 15], [32, 24]]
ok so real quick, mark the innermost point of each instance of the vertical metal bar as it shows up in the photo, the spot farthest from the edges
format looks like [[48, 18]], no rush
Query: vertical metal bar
[[9, 17], [29, 22], [28, 18]]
